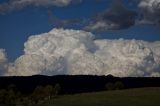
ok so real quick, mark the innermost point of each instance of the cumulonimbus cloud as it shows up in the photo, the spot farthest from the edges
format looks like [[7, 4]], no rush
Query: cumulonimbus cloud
[[64, 51], [20, 4]]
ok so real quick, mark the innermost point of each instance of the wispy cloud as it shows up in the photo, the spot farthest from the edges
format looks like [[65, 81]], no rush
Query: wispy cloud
[[61, 23], [20, 4]]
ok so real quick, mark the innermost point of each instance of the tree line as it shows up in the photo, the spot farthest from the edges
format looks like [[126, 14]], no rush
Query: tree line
[[12, 97], [33, 90]]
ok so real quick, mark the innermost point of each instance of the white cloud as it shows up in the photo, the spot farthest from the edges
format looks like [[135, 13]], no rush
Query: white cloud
[[3, 60], [129, 57], [19, 4], [101, 26], [150, 5], [63, 51], [2, 56], [150, 11]]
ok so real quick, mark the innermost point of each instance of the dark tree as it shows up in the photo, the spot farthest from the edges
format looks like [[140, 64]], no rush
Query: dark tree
[[57, 89], [38, 94], [49, 91], [3, 96], [110, 86], [119, 85]]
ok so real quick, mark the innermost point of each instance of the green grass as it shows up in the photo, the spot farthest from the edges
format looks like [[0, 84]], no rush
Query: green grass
[[130, 97]]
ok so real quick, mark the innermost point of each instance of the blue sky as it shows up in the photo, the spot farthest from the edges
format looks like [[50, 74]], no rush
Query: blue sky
[[18, 24]]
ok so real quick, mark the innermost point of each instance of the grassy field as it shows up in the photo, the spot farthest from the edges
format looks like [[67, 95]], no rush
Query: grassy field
[[130, 97]]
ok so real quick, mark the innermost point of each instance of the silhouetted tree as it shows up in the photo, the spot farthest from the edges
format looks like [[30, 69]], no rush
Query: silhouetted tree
[[12, 95], [119, 85], [25, 101], [38, 94], [57, 89], [12, 87], [11, 98], [48, 90], [3, 96], [110, 86]]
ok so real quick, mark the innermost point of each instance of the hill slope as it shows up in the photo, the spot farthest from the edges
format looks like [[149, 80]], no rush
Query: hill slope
[[130, 97]]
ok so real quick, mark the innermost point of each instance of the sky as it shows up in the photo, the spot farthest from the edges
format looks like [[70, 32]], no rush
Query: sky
[[105, 19]]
